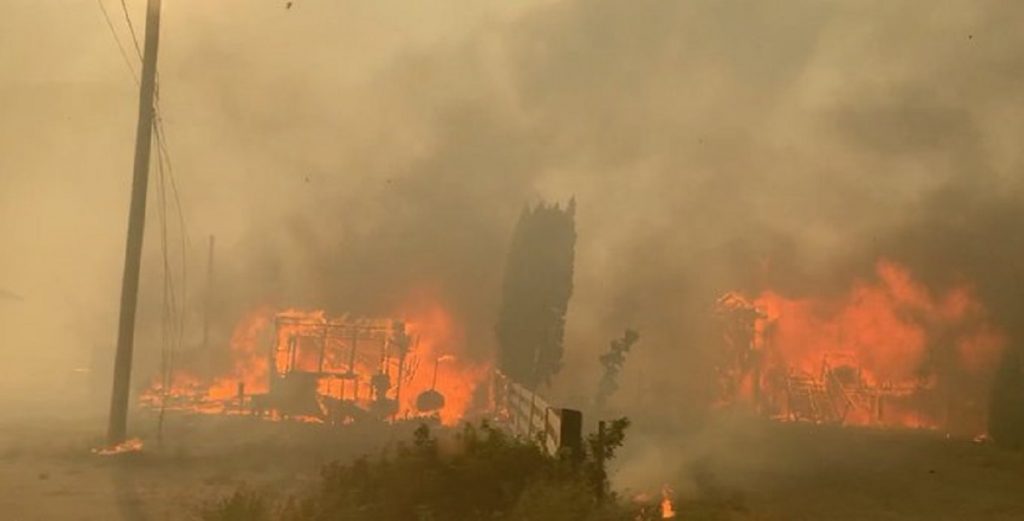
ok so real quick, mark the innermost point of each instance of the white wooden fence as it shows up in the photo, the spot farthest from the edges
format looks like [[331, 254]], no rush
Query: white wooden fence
[[528, 415]]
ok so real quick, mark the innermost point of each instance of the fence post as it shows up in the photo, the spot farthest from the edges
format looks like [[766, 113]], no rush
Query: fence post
[[570, 432], [529, 423], [601, 475], [513, 406], [567, 434], [544, 430]]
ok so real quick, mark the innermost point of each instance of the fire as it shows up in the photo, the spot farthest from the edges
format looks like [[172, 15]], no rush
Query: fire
[[130, 445], [456, 377], [650, 508], [889, 351], [250, 363], [667, 511], [189, 391], [309, 367]]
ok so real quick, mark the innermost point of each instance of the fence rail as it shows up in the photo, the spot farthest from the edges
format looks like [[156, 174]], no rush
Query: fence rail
[[530, 416]]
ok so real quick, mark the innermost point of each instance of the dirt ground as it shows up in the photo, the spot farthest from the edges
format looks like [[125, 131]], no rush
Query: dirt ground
[[48, 472], [798, 472], [747, 472]]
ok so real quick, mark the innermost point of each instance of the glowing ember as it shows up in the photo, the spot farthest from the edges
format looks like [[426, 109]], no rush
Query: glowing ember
[[305, 366], [132, 445], [887, 352], [667, 511]]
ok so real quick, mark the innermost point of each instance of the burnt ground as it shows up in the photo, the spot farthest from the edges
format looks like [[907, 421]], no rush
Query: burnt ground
[[734, 471], [47, 470], [758, 470]]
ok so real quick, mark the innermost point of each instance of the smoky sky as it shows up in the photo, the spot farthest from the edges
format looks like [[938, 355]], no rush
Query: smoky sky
[[347, 154]]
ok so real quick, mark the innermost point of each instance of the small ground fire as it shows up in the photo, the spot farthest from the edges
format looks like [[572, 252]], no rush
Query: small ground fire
[[668, 511], [888, 352]]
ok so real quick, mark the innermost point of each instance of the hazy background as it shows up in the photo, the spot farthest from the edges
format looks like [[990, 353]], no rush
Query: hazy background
[[346, 152]]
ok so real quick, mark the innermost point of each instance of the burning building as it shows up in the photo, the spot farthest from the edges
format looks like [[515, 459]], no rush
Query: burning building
[[888, 352], [306, 366]]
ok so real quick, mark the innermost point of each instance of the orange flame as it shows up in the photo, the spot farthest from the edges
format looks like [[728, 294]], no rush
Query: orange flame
[[440, 338], [437, 341], [667, 510], [929, 352], [250, 363], [129, 445]]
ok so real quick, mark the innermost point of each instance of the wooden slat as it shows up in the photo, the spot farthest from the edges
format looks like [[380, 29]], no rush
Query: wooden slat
[[530, 415]]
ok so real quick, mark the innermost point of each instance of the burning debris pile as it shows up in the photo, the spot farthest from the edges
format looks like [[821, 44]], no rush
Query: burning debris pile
[[888, 352], [306, 366]]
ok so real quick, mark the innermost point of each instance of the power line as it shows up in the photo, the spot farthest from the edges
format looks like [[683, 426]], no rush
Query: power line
[[131, 28], [173, 304], [117, 40], [160, 132], [159, 125], [172, 312], [120, 395]]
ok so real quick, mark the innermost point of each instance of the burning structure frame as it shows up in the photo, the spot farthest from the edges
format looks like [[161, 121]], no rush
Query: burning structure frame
[[317, 366], [316, 369], [838, 393]]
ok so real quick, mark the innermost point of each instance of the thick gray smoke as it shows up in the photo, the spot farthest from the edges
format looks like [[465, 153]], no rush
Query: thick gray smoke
[[347, 153]]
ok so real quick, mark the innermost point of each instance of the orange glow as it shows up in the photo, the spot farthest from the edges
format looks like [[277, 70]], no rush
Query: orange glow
[[342, 355], [188, 391], [248, 357], [667, 510], [441, 341], [889, 350], [130, 445]]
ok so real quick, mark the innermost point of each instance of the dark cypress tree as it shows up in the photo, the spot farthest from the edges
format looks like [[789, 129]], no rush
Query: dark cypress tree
[[536, 292]]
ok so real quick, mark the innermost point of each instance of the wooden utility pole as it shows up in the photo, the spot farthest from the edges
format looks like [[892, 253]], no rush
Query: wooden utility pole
[[117, 428]]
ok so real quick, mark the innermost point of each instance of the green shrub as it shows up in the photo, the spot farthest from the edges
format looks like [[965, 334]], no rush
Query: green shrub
[[243, 505], [485, 475]]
